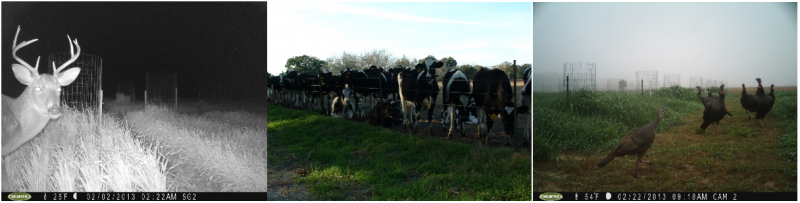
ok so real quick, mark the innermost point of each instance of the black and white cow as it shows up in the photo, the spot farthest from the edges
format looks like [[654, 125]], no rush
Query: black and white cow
[[343, 106], [417, 85], [357, 81], [329, 84], [526, 104], [394, 85], [456, 95], [274, 89], [493, 95], [291, 84]]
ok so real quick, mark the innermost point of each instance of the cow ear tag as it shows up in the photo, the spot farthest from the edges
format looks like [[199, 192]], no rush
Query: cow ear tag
[[494, 116]]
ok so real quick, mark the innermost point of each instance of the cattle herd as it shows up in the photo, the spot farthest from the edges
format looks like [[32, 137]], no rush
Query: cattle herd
[[388, 97]]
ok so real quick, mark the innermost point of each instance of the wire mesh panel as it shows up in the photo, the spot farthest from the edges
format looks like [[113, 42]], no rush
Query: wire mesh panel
[[581, 75], [672, 80], [161, 88], [695, 81], [646, 80], [84, 92], [710, 83]]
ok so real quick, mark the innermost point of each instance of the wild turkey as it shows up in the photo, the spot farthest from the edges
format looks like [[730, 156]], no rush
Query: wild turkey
[[704, 100], [711, 95], [636, 143], [748, 102], [763, 102], [772, 93], [715, 110]]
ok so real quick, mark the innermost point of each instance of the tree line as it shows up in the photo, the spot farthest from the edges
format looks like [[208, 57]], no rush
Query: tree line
[[381, 58]]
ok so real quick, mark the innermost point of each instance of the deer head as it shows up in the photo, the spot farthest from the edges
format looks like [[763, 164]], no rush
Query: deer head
[[44, 90]]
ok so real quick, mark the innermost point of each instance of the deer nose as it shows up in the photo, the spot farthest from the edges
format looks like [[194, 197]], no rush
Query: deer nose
[[55, 110]]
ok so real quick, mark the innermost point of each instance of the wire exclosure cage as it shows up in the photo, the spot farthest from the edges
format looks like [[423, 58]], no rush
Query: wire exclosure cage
[[646, 80], [579, 75], [161, 89], [672, 80], [696, 81], [713, 84], [87, 90]]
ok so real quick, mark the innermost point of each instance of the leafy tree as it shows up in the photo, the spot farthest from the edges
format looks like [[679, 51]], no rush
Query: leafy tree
[[305, 64], [469, 70], [405, 62], [449, 63], [507, 67], [622, 85], [378, 58]]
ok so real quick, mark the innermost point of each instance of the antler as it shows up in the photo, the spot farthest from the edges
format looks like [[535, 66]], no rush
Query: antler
[[19, 46], [72, 58]]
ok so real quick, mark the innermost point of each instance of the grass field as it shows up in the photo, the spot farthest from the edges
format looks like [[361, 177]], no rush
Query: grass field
[[738, 156], [317, 157], [200, 147]]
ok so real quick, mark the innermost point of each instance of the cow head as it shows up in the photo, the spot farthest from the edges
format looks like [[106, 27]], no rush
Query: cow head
[[428, 67]]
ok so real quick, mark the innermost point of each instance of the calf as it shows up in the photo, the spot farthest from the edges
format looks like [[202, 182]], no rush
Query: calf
[[456, 95], [493, 94], [417, 85]]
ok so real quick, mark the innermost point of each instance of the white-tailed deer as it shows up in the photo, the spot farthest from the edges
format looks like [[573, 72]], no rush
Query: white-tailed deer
[[26, 116]]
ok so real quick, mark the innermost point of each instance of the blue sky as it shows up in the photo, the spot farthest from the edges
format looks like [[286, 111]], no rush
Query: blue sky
[[472, 33], [734, 42]]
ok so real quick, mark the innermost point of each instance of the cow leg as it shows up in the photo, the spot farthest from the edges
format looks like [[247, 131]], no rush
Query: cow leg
[[452, 121], [415, 119], [431, 106], [481, 120]]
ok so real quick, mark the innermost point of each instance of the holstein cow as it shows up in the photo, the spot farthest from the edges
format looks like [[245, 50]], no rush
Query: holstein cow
[[417, 85], [526, 105], [330, 88], [455, 97], [378, 83], [342, 106], [493, 95], [394, 85], [356, 80], [274, 88]]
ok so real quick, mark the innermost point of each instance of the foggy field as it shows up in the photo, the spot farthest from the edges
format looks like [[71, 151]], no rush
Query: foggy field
[[318, 157], [572, 135], [202, 147]]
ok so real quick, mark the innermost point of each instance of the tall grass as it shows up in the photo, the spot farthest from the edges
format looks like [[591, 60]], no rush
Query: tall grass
[[590, 120], [77, 152], [210, 152], [356, 161], [785, 110]]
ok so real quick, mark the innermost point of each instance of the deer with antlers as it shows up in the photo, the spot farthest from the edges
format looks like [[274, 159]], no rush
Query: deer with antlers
[[26, 116]]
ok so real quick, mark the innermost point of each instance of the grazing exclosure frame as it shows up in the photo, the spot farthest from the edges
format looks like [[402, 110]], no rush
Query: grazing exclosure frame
[[579, 75], [646, 80], [161, 89], [87, 90], [695, 81], [672, 80]]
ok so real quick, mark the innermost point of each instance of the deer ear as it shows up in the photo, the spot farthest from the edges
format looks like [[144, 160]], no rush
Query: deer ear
[[24, 75], [66, 77]]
